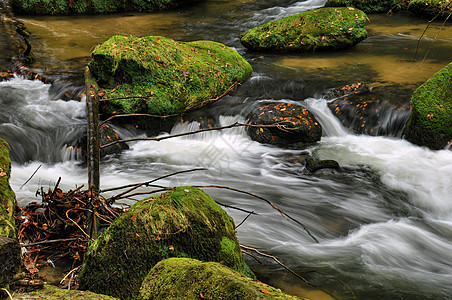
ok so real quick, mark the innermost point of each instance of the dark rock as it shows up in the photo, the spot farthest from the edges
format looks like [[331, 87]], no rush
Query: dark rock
[[295, 125], [315, 165], [430, 8]]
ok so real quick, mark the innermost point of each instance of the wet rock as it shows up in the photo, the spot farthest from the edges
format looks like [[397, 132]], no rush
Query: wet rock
[[49, 292], [56, 7], [320, 29], [377, 110], [184, 278], [430, 8], [431, 114], [315, 165], [165, 76], [367, 6], [7, 196], [10, 260], [293, 125], [183, 222]]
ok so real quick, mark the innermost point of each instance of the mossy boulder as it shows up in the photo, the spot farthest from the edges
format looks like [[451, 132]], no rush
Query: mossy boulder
[[284, 124], [367, 6], [10, 260], [7, 196], [430, 121], [183, 222], [74, 7], [49, 292], [319, 29], [430, 8], [166, 76], [184, 278]]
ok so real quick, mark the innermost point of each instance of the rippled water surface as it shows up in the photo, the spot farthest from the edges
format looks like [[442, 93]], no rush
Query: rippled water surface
[[384, 221]]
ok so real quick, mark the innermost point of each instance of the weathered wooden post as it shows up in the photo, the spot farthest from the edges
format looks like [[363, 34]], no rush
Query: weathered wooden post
[[93, 151]]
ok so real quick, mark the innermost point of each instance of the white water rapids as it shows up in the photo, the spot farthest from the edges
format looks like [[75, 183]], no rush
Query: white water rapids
[[384, 220]]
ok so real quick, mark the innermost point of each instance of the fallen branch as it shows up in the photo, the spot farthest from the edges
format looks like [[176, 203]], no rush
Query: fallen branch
[[48, 242], [286, 216], [277, 260], [236, 124]]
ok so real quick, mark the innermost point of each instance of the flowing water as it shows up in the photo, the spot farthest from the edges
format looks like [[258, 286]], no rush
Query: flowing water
[[384, 221]]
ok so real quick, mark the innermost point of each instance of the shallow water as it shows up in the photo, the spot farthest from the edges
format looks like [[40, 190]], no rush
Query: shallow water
[[384, 221]]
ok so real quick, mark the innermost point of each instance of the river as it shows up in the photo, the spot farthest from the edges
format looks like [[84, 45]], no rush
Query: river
[[384, 221]]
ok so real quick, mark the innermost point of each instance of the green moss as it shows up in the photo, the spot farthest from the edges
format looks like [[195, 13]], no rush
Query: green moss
[[430, 122], [430, 8], [65, 7], [368, 6], [49, 292], [182, 278], [172, 76], [184, 222], [7, 196], [320, 29]]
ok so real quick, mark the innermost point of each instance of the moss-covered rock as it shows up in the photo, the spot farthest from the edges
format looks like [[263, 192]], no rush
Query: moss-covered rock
[[167, 76], [319, 29], [49, 292], [295, 125], [430, 8], [184, 278], [10, 260], [430, 122], [368, 6], [183, 222], [74, 7], [7, 196]]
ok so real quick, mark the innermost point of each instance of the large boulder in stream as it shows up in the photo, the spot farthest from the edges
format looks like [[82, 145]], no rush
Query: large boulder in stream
[[7, 196], [430, 8], [183, 222], [368, 6], [319, 29], [284, 124], [165, 76], [184, 278], [430, 122], [59, 7]]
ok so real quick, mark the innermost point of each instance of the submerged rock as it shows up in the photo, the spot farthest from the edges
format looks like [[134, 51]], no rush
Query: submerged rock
[[165, 76], [183, 278], [294, 125], [56, 7], [368, 6], [315, 165], [7, 196], [430, 8], [320, 29], [49, 292], [183, 222], [10, 260], [430, 122]]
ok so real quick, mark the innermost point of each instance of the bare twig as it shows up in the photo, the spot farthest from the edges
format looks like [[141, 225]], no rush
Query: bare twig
[[426, 28], [70, 272], [232, 87], [48, 242], [30, 177], [244, 219], [136, 115], [286, 216], [252, 255], [9, 295], [436, 37], [134, 187], [277, 260]]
